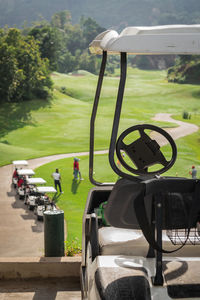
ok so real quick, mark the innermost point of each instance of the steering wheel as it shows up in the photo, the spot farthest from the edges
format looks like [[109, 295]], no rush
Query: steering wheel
[[145, 152]]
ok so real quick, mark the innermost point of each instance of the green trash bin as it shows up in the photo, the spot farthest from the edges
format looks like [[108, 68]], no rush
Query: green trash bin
[[54, 233]]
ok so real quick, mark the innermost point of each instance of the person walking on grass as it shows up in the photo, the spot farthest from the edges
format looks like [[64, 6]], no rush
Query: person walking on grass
[[76, 171], [57, 180]]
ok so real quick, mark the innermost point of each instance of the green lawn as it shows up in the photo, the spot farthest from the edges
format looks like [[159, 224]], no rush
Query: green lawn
[[39, 128], [75, 194]]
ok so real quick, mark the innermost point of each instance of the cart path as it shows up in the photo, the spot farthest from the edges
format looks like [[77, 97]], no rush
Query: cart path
[[182, 130], [20, 233]]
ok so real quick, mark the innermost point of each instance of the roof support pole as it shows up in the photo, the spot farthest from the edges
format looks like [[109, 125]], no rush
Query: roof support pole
[[117, 117], [93, 118]]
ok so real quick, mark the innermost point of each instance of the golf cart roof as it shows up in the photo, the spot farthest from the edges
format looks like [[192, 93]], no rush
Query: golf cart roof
[[36, 181], [46, 189], [168, 39], [20, 163], [25, 172]]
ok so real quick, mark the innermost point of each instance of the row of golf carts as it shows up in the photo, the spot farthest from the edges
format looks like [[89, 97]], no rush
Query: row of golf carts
[[32, 190]]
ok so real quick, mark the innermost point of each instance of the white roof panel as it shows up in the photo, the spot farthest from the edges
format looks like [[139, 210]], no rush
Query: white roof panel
[[168, 39], [46, 189], [20, 163], [35, 180], [25, 172]]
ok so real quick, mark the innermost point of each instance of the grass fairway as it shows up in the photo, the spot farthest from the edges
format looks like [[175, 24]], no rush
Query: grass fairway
[[38, 128], [75, 193]]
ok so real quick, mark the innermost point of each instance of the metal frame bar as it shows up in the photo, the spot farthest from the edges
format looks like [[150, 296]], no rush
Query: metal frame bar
[[158, 279], [93, 118], [117, 119]]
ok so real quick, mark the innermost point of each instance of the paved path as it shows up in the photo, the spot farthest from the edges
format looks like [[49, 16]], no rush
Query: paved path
[[181, 130], [20, 233]]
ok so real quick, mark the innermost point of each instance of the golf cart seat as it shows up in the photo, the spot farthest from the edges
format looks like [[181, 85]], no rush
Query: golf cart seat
[[120, 241], [120, 283], [177, 198], [125, 236]]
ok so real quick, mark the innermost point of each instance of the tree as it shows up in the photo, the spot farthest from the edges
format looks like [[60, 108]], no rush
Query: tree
[[23, 72], [90, 29], [50, 42], [186, 70], [61, 19]]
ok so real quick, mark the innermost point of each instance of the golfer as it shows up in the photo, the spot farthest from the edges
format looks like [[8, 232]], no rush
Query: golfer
[[193, 172], [76, 170], [57, 179]]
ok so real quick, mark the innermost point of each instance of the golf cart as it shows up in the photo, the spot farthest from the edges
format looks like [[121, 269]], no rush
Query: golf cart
[[17, 164], [140, 235], [23, 175], [31, 193], [43, 202]]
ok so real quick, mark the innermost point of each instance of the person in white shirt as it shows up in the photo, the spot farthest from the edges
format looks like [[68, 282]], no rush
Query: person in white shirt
[[57, 180]]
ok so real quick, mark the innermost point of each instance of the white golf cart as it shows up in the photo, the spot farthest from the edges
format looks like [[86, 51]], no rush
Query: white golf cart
[[43, 202], [17, 164], [31, 193], [144, 242], [23, 175]]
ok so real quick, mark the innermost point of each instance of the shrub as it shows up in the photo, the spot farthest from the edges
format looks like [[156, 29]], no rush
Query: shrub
[[72, 247], [186, 115]]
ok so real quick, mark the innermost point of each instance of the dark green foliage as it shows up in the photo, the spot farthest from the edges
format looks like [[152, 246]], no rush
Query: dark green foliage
[[186, 115], [49, 41], [90, 29], [66, 45], [23, 73], [186, 70], [61, 19]]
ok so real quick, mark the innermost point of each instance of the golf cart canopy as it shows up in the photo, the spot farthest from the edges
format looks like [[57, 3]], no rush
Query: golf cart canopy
[[20, 163], [168, 39], [36, 181], [45, 189], [24, 172]]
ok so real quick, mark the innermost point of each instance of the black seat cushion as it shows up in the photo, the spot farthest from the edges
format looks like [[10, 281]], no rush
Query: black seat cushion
[[122, 284]]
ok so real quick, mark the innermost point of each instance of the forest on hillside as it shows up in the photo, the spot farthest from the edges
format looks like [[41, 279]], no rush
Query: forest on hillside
[[29, 55], [115, 14]]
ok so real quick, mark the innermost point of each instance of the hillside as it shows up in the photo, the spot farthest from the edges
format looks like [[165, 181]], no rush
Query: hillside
[[113, 13]]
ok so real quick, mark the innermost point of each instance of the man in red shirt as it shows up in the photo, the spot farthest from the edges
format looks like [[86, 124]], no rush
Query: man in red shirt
[[76, 169], [20, 182]]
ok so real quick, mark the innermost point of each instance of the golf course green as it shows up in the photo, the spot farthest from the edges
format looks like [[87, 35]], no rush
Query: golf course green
[[61, 125]]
